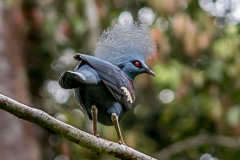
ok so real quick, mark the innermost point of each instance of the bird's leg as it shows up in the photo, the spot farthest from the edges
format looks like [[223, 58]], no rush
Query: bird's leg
[[94, 112], [114, 118]]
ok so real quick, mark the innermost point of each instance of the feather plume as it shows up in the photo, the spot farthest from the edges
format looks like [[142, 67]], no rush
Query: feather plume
[[123, 42]]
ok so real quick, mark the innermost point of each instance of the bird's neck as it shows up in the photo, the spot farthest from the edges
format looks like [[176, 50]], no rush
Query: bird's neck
[[130, 75]]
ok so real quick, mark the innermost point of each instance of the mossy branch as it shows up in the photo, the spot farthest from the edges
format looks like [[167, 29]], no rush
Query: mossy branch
[[69, 132]]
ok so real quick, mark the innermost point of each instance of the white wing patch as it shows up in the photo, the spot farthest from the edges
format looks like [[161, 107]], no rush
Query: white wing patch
[[127, 93]]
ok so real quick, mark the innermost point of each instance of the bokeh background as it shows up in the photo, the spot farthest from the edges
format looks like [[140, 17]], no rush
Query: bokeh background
[[189, 111]]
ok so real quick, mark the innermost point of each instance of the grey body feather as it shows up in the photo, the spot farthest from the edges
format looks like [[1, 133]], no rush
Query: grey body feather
[[121, 42]]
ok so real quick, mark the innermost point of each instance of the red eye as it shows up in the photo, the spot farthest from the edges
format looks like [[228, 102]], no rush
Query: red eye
[[137, 64]]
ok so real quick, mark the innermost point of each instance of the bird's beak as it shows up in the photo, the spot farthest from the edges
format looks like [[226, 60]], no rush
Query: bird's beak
[[147, 70], [150, 72]]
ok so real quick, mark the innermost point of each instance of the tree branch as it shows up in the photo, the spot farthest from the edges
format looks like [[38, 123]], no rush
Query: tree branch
[[69, 132]]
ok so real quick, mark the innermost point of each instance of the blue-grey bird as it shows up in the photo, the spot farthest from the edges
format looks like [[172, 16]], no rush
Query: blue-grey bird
[[103, 85]]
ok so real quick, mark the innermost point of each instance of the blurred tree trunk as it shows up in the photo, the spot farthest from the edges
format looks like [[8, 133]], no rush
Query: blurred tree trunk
[[17, 137]]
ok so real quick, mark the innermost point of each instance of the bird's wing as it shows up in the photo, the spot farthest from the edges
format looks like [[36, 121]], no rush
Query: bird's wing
[[115, 80], [83, 74]]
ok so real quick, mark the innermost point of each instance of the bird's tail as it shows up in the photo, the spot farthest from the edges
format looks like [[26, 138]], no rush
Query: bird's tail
[[71, 79]]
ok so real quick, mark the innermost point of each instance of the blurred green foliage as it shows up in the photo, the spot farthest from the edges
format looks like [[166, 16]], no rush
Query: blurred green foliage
[[197, 85]]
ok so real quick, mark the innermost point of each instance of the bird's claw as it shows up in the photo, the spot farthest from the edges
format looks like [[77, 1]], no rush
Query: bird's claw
[[121, 142], [97, 135]]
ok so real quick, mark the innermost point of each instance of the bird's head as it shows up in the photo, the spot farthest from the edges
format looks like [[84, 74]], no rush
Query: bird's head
[[134, 68], [127, 46]]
